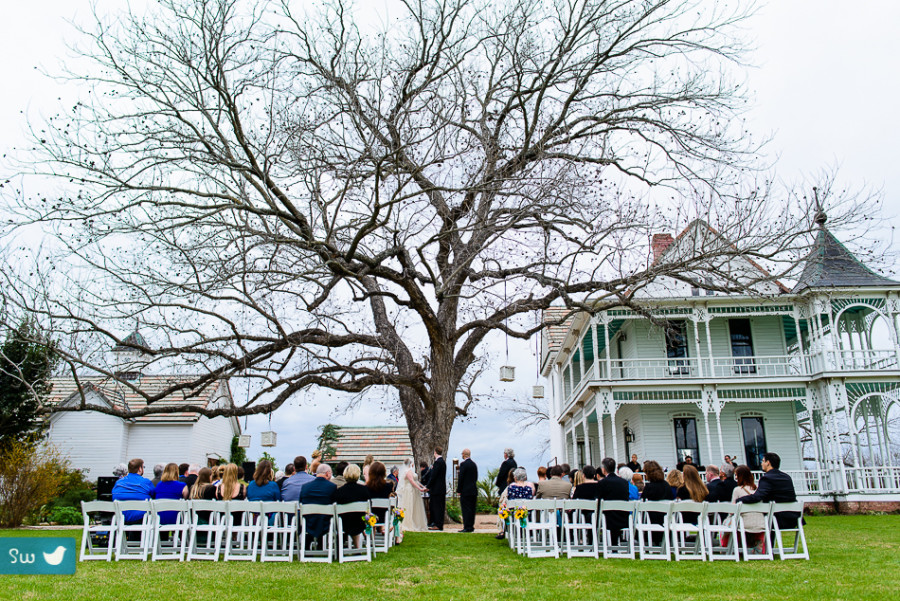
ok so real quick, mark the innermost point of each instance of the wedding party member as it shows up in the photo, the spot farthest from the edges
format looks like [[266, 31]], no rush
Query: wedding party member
[[508, 465], [467, 489], [633, 465], [367, 462], [437, 489], [410, 500]]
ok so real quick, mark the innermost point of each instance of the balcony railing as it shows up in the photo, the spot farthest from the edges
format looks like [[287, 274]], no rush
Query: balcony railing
[[718, 367]]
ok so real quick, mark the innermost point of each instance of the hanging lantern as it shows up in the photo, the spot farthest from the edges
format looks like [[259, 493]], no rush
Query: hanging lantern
[[244, 441], [537, 392], [507, 373], [269, 439]]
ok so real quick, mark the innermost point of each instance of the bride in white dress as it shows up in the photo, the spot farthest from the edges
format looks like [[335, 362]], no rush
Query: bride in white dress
[[410, 500]]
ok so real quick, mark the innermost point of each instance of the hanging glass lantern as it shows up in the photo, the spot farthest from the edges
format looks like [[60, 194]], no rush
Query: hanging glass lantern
[[269, 439], [507, 373], [244, 441], [537, 392]]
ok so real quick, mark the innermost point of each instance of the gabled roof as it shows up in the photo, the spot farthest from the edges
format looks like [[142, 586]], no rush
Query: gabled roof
[[131, 341], [831, 265], [121, 396], [388, 444]]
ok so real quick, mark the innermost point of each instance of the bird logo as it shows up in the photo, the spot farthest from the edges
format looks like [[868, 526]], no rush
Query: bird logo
[[55, 558]]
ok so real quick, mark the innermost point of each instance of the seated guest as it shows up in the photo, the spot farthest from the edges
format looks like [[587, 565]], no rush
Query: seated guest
[[379, 487], [587, 490], [727, 484], [755, 522], [627, 474], [318, 491], [120, 471], [338, 480], [520, 487], [541, 475], [191, 476], [230, 488], [675, 480], [352, 524], [367, 464], [693, 489], [263, 487], [241, 475], [183, 470], [288, 472], [157, 473], [170, 487], [204, 480], [290, 489], [712, 481], [567, 473], [577, 478], [776, 486], [656, 488], [133, 487], [555, 487], [217, 474], [638, 481]]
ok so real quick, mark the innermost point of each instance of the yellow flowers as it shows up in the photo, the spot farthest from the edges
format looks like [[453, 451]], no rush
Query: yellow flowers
[[521, 513], [503, 513]]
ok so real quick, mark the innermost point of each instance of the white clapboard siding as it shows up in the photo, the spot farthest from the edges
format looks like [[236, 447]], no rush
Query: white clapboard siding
[[92, 441], [160, 443], [211, 438]]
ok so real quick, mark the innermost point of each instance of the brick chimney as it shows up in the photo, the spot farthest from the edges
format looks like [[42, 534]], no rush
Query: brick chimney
[[659, 245]]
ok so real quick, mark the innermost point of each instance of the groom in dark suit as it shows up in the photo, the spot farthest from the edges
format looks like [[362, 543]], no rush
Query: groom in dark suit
[[467, 489], [437, 489]]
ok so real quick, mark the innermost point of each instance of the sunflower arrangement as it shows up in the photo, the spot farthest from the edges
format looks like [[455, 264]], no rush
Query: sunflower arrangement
[[504, 514], [370, 519], [522, 516], [398, 514]]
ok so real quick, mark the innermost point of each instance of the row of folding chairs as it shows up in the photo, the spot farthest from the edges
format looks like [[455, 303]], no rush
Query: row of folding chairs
[[652, 530], [235, 530]]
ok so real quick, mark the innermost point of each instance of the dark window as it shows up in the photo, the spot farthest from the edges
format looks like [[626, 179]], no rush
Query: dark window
[[677, 349], [754, 441], [686, 444], [742, 346]]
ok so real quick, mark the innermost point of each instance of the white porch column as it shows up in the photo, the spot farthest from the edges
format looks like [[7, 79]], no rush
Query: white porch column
[[595, 348], [709, 347], [719, 406], [601, 437], [557, 432], [803, 363], [696, 323], [814, 435], [615, 437], [605, 318], [586, 426], [838, 452]]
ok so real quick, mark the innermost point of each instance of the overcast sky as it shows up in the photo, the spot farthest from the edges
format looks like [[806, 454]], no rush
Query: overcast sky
[[825, 85]]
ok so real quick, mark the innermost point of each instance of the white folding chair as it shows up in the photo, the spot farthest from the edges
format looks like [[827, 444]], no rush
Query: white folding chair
[[169, 540], [766, 510], [208, 524], [799, 549], [539, 534], [243, 525], [98, 538], [325, 554], [580, 528], [278, 537], [345, 549], [717, 531], [680, 527], [645, 528], [625, 548], [383, 542], [141, 530]]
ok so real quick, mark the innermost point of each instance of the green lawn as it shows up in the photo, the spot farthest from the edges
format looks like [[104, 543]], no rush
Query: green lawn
[[853, 557]]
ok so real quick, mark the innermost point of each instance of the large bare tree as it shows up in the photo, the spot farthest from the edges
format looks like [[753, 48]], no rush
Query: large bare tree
[[309, 199]]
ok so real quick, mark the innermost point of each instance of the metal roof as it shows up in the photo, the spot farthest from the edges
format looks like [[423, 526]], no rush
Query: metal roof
[[831, 265]]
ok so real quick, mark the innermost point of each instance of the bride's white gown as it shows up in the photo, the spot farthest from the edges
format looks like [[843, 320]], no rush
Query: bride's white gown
[[413, 508]]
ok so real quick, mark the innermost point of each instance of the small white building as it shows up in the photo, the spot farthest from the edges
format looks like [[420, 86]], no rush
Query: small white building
[[96, 442], [811, 372]]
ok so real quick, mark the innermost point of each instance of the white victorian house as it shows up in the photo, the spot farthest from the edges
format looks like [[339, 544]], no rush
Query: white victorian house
[[96, 442], [811, 373]]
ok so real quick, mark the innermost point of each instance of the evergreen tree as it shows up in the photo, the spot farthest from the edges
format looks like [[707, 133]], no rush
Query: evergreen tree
[[27, 360]]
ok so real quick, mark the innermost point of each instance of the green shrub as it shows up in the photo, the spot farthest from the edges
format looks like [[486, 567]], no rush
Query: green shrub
[[66, 516], [453, 511]]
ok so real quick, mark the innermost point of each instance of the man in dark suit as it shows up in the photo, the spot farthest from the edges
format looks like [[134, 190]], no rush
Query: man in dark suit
[[508, 465], [775, 486], [318, 491], [437, 490], [467, 489], [726, 483], [712, 482], [613, 488]]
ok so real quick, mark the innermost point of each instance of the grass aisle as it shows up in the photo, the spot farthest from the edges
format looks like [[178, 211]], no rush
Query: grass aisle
[[853, 557]]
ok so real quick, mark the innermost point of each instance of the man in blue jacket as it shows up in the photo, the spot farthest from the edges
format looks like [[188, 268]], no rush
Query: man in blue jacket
[[133, 487]]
